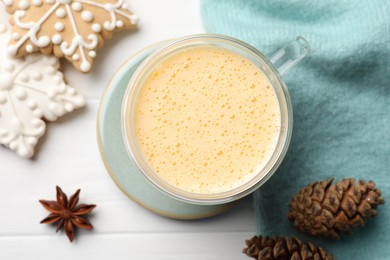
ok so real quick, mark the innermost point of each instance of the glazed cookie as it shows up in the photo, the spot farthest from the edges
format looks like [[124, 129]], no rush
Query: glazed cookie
[[31, 89], [73, 29]]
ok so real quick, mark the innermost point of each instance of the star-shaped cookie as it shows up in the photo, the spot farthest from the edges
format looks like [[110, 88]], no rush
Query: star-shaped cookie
[[73, 29], [31, 89]]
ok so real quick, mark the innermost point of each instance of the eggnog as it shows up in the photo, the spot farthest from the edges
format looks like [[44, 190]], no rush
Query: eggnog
[[207, 120]]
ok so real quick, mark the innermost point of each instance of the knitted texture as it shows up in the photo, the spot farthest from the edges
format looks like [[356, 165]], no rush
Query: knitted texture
[[341, 102]]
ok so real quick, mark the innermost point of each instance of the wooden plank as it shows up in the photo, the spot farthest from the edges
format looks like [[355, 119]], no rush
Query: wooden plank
[[189, 246]]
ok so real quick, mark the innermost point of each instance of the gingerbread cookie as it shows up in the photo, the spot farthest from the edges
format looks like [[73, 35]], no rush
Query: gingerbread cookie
[[73, 29], [31, 88]]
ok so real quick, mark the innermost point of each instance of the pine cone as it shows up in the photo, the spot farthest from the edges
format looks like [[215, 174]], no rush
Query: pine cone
[[325, 210], [283, 248]]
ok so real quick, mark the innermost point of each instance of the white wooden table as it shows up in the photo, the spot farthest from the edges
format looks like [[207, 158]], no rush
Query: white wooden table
[[68, 156]]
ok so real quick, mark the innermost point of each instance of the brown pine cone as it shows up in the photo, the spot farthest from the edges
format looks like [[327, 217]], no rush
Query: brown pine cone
[[283, 248], [325, 210]]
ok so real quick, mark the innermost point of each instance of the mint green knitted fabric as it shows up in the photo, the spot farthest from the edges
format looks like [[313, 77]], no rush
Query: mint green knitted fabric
[[341, 102]]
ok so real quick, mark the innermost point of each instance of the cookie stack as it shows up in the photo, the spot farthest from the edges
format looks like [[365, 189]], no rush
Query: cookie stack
[[32, 89]]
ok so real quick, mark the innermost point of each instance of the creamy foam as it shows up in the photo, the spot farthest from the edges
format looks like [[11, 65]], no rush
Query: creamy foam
[[207, 120]]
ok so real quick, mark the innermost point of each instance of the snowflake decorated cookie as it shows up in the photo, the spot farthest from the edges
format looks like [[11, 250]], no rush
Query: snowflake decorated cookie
[[73, 29], [31, 89]]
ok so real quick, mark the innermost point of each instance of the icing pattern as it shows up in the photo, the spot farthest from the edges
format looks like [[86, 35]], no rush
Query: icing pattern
[[30, 89], [68, 26]]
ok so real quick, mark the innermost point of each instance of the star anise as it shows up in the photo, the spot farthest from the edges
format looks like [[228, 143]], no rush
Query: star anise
[[67, 213]]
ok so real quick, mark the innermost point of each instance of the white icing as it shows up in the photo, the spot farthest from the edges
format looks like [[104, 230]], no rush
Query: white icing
[[107, 25], [134, 19], [60, 13], [58, 80], [85, 66], [68, 108], [18, 16], [76, 57], [77, 42], [6, 82], [76, 6], [50, 2], [51, 92], [29, 48], [32, 104], [61, 88], [3, 97], [64, 2], [24, 83], [17, 125], [59, 26], [23, 152], [13, 145], [50, 71], [12, 50], [125, 6], [31, 58], [119, 24], [57, 39], [31, 141], [96, 28], [23, 4], [15, 36], [20, 93], [92, 54], [37, 2], [110, 25], [23, 77], [37, 75], [8, 2], [8, 66], [2, 28], [51, 61], [87, 16], [56, 109], [109, 7], [37, 113]]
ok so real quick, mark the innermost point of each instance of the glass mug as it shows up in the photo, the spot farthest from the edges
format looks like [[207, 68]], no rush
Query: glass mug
[[274, 69]]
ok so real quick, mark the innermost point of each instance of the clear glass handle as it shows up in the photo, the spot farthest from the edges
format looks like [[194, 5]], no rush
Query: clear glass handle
[[290, 55]]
